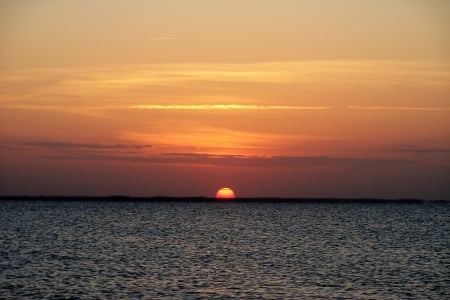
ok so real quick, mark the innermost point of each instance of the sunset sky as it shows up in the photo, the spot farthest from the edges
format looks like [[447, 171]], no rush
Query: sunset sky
[[273, 98]]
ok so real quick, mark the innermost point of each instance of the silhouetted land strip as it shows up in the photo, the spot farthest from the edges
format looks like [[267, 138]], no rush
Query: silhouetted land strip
[[208, 199]]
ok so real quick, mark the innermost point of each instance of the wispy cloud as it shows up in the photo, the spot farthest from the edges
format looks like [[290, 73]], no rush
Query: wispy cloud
[[275, 161], [399, 108], [419, 150], [71, 145], [163, 38], [89, 109], [96, 110], [228, 107], [203, 159], [186, 85]]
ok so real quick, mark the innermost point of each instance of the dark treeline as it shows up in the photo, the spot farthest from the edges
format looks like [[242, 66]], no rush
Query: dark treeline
[[208, 199]]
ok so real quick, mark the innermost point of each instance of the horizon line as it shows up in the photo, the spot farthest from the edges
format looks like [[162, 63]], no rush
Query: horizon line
[[162, 198]]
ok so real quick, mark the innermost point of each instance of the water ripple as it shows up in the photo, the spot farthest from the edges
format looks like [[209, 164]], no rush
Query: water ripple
[[129, 250]]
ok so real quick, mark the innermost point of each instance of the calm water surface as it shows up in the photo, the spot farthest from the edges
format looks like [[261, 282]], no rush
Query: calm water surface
[[143, 250]]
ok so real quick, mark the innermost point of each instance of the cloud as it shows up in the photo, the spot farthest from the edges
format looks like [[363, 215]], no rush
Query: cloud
[[243, 160], [275, 161], [419, 150], [162, 38], [139, 153], [129, 153], [182, 86], [227, 107], [404, 108], [96, 110], [71, 145]]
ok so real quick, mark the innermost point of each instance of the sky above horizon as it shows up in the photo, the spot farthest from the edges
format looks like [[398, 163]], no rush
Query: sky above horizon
[[287, 98]]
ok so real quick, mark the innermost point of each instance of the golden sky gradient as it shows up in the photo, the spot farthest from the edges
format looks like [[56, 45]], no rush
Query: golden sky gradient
[[272, 98]]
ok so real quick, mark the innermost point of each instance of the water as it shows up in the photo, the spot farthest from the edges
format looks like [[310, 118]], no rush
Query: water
[[143, 250]]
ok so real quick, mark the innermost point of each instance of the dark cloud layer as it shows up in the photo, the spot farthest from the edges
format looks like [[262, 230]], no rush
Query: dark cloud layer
[[419, 150], [274, 161], [243, 161], [126, 152], [72, 145]]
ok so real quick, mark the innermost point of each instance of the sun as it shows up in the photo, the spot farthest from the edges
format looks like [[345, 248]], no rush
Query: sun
[[225, 193]]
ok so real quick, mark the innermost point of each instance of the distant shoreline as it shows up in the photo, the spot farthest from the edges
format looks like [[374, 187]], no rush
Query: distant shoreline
[[210, 199]]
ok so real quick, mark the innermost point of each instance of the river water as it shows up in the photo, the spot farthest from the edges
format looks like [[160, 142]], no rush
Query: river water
[[223, 250]]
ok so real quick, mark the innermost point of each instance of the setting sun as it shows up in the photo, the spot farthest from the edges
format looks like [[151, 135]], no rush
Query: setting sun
[[225, 193]]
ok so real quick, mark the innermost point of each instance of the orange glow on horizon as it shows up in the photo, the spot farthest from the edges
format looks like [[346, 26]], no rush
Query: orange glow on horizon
[[225, 193]]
